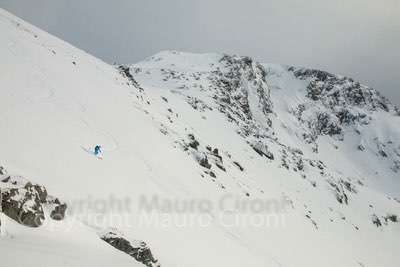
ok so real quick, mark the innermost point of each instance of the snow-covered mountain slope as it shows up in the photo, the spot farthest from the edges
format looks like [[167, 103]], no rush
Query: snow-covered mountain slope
[[307, 163]]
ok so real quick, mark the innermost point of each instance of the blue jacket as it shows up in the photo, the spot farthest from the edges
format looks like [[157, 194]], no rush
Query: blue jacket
[[97, 150]]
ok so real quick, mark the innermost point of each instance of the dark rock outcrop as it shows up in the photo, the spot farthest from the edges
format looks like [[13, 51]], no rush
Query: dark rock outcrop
[[376, 220], [125, 71], [238, 80], [23, 205], [334, 90], [136, 249], [57, 209], [203, 160], [238, 165], [262, 150], [392, 218], [335, 103], [193, 143], [25, 202]]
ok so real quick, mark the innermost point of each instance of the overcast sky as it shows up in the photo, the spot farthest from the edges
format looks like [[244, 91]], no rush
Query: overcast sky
[[357, 38]]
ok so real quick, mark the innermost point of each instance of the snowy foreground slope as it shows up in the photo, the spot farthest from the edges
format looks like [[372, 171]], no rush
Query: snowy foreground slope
[[212, 160]]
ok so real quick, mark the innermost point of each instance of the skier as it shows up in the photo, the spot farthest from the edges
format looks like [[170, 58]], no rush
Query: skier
[[97, 150]]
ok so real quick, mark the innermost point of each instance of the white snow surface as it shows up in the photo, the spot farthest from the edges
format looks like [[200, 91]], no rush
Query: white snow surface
[[57, 102]]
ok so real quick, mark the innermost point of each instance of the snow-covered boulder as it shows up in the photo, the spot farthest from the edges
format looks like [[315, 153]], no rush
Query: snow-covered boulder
[[139, 250]]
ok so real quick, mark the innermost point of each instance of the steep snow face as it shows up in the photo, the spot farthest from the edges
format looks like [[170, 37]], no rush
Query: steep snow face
[[206, 130], [57, 103]]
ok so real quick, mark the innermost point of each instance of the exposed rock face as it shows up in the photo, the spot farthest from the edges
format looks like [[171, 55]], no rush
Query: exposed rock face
[[334, 90], [25, 202], [239, 82], [24, 205], [342, 102], [136, 249], [125, 72]]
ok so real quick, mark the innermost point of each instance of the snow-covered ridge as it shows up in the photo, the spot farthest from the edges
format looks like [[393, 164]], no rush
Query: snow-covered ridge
[[204, 127]]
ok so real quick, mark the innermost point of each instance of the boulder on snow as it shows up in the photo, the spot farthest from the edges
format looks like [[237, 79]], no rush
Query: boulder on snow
[[193, 143], [262, 149], [57, 208], [202, 159], [216, 158], [134, 248]]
